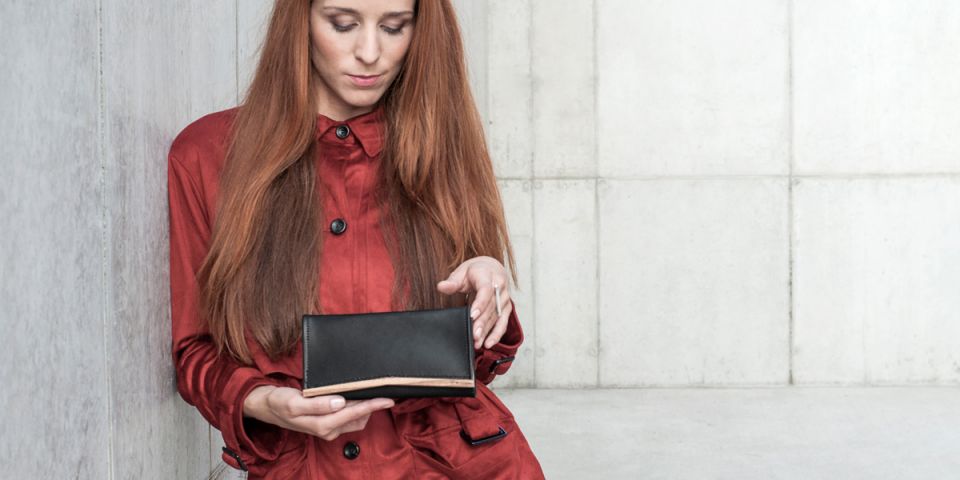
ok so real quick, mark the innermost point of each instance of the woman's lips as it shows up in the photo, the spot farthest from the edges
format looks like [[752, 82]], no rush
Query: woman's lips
[[364, 81]]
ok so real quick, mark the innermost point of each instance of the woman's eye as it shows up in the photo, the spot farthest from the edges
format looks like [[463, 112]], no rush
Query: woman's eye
[[393, 30], [343, 28]]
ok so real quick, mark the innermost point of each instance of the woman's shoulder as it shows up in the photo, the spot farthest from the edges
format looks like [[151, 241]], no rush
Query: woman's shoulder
[[202, 144]]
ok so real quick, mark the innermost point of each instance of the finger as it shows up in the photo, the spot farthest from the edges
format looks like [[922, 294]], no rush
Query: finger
[[485, 323], [506, 299], [492, 317], [488, 316], [456, 282], [484, 295], [501, 327], [352, 426], [355, 425], [354, 412], [322, 405], [450, 287]]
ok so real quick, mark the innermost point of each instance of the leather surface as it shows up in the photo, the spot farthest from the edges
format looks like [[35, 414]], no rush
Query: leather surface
[[424, 344]]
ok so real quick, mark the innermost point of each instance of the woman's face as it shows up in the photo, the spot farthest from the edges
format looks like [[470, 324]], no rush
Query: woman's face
[[357, 48]]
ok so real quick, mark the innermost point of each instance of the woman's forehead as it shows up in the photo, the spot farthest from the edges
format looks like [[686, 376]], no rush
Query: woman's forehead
[[368, 7]]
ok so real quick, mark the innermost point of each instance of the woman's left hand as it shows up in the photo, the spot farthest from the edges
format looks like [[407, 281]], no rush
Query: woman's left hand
[[480, 275]]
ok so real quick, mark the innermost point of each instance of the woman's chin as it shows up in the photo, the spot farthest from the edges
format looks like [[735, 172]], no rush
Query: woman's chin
[[362, 99]]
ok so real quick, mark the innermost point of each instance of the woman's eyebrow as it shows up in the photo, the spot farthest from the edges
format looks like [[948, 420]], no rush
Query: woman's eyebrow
[[351, 11]]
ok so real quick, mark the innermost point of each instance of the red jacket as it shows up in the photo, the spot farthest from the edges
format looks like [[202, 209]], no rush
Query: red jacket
[[417, 438]]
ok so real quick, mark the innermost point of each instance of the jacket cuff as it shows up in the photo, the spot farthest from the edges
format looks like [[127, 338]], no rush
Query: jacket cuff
[[248, 442], [497, 359]]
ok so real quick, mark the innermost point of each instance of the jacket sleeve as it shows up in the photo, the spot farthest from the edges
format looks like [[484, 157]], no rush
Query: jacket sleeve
[[497, 359], [215, 384]]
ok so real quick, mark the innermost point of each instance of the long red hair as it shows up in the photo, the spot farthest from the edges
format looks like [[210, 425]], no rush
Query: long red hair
[[438, 189]]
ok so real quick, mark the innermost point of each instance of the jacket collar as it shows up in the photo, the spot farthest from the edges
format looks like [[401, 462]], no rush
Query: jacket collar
[[366, 127]]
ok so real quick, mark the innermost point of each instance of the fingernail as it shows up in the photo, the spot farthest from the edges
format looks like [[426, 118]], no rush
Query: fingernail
[[474, 313], [337, 402], [385, 405], [476, 332]]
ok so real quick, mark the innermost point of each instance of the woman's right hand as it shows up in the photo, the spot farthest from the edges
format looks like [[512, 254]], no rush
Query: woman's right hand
[[325, 416]]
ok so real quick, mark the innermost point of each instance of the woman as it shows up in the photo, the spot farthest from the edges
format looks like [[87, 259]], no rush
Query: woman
[[353, 178]]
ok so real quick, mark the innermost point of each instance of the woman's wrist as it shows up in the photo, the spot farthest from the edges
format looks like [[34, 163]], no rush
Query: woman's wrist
[[255, 405]]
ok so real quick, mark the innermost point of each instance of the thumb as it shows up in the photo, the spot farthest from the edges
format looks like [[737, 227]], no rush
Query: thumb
[[327, 404], [453, 283]]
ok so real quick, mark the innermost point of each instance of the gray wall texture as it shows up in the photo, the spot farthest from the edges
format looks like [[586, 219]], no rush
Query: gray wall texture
[[700, 192], [728, 193], [92, 93]]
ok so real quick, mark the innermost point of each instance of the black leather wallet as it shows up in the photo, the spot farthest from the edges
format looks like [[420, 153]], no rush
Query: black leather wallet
[[421, 353]]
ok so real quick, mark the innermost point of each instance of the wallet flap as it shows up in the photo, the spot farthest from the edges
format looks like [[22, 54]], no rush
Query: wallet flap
[[427, 350]]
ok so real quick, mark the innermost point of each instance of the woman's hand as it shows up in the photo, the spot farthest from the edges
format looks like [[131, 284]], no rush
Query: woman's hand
[[321, 416], [480, 275]]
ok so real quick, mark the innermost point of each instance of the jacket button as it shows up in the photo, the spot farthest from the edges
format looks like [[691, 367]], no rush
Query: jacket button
[[351, 450], [338, 226], [343, 131]]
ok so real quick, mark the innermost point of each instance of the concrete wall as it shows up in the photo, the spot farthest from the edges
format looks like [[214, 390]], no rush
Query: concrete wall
[[92, 96], [750, 192]]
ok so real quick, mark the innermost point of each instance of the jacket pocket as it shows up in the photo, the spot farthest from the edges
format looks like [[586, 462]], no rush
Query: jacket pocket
[[446, 451]]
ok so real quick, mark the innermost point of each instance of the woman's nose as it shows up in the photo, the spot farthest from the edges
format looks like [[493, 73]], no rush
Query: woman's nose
[[368, 47]]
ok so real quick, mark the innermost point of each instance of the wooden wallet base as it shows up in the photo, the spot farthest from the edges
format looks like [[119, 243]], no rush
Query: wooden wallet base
[[388, 381]]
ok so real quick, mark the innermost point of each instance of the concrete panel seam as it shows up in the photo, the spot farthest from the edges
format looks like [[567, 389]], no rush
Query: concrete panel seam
[[531, 104], [104, 237], [533, 204], [790, 218], [533, 97], [596, 182], [236, 48], [596, 253]]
